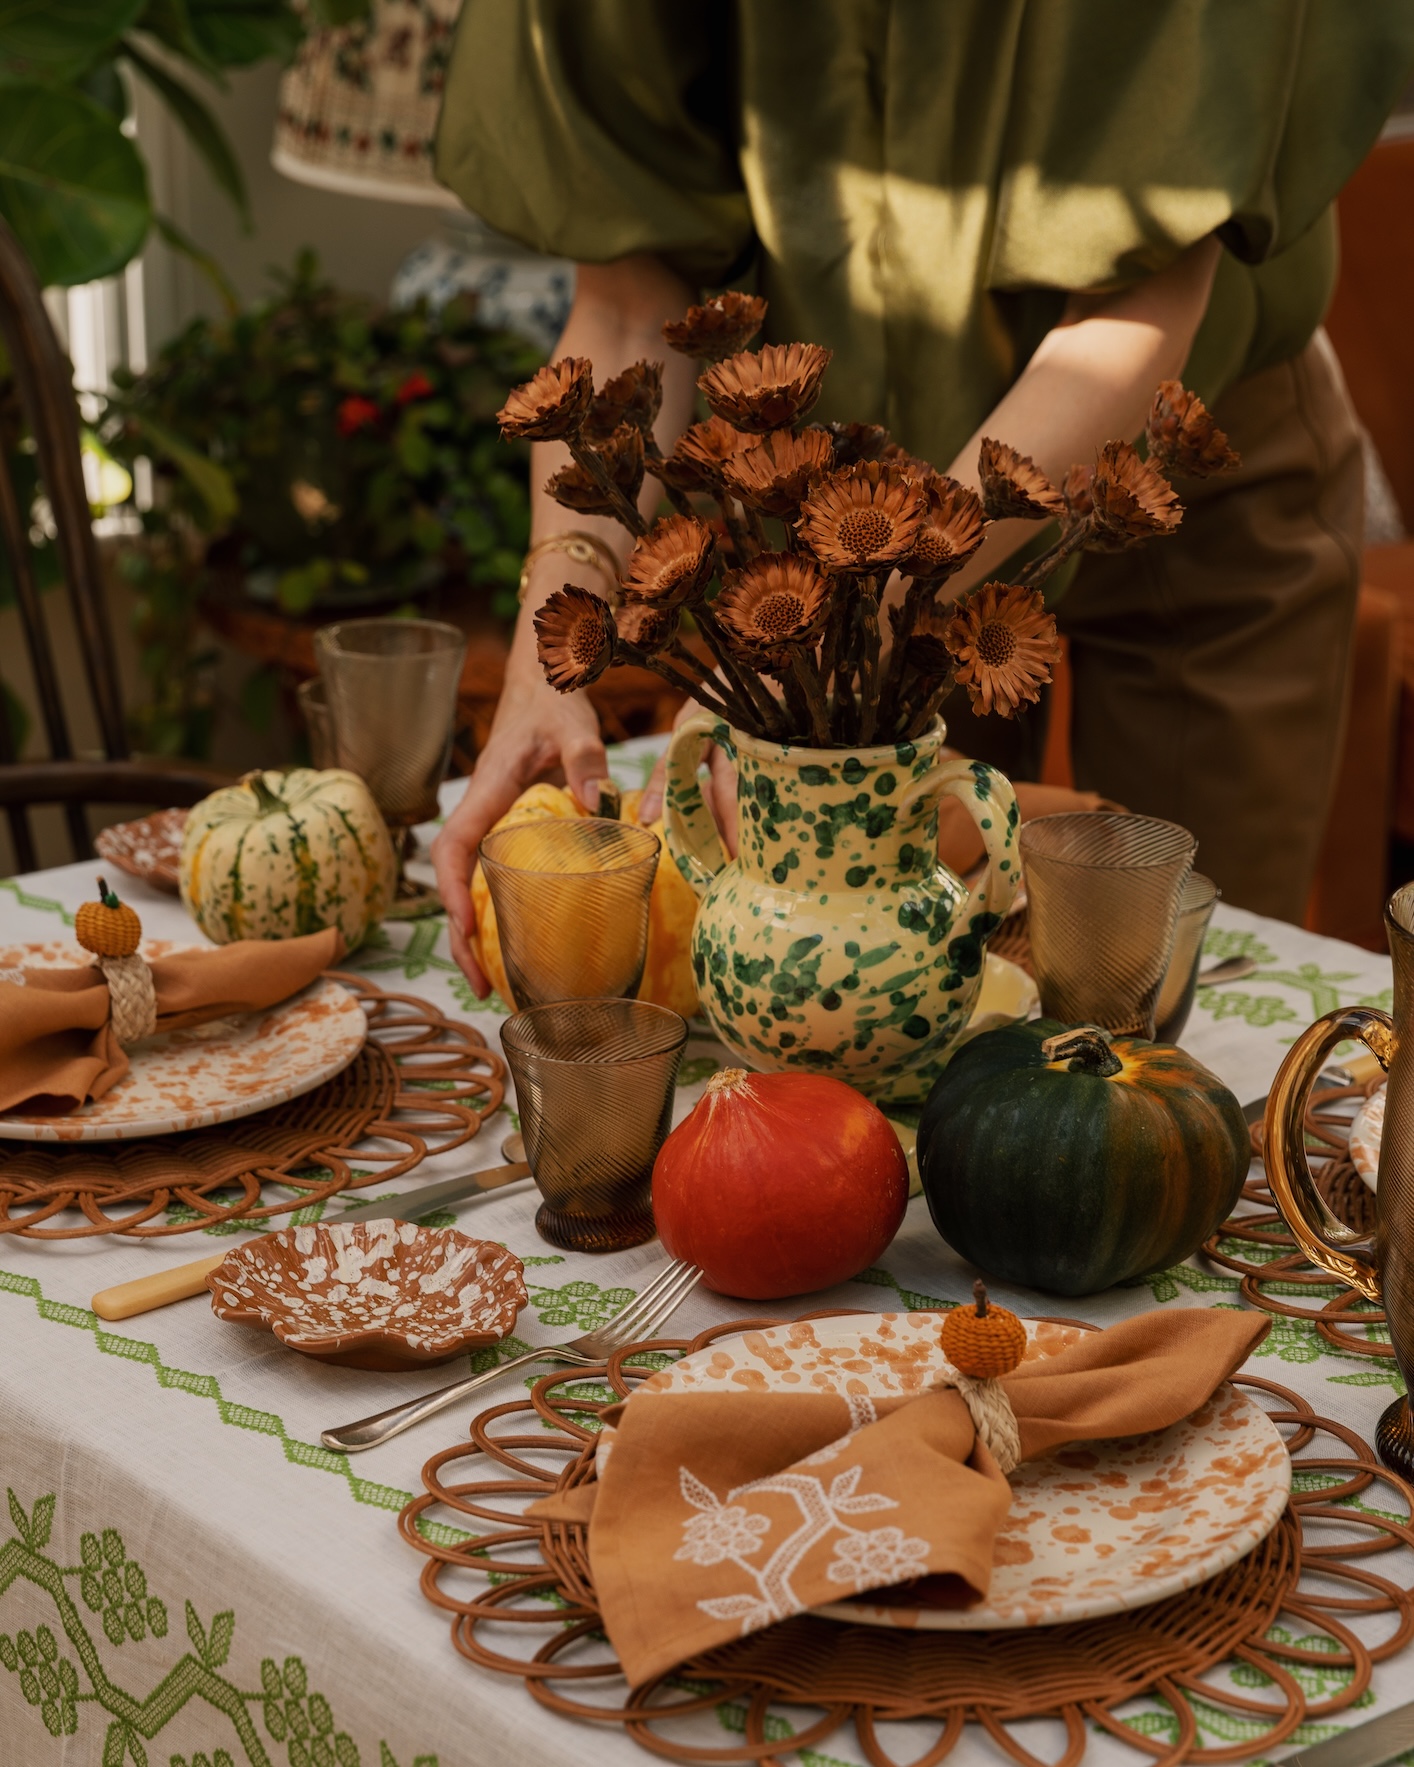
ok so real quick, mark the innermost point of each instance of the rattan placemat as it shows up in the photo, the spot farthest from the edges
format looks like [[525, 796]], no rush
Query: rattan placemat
[[1256, 1246], [1239, 1643], [422, 1083]]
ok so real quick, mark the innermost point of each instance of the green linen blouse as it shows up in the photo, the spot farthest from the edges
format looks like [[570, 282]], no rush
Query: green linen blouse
[[919, 183]]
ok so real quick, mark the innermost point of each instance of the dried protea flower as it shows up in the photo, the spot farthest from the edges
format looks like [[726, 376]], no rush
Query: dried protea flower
[[1014, 486], [776, 472], [574, 638], [771, 388], [552, 403], [1075, 493], [862, 518], [672, 564], [778, 600], [700, 454], [854, 442], [622, 454], [896, 455], [1003, 643], [950, 532], [635, 397], [647, 625], [1183, 439], [718, 328], [1130, 500]]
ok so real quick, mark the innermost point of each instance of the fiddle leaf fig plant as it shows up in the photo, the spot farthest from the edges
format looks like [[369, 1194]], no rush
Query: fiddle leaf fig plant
[[73, 184]]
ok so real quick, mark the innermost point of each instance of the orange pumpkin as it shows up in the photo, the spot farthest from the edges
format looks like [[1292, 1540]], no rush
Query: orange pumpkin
[[108, 927], [983, 1341], [667, 972]]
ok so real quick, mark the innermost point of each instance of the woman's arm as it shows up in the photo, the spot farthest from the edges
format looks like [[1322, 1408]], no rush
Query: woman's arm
[[1090, 381], [616, 319]]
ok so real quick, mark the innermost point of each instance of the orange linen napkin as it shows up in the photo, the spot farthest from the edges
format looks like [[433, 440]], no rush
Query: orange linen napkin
[[714, 1514], [57, 1047]]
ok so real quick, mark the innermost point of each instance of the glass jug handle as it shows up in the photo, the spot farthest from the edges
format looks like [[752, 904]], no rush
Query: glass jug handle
[[1327, 1242]]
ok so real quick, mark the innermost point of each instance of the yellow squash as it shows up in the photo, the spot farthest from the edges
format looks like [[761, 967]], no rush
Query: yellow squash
[[667, 973]]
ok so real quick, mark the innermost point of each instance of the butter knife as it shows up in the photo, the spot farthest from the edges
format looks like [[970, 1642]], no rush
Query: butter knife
[[181, 1281], [1364, 1745]]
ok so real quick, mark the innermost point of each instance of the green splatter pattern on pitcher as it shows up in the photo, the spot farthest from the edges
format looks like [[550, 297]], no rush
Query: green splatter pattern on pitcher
[[836, 941]]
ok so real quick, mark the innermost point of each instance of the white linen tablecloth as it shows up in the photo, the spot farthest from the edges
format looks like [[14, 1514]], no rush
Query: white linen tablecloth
[[188, 1578]]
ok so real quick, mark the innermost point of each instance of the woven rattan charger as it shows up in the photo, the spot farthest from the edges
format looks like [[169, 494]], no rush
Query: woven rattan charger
[[421, 1084], [533, 1580]]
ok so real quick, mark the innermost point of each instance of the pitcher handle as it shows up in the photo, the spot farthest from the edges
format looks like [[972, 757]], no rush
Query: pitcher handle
[[693, 841], [1325, 1241], [987, 796]]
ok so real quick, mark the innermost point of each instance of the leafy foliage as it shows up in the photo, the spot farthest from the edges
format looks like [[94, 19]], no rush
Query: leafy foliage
[[317, 451], [73, 185]]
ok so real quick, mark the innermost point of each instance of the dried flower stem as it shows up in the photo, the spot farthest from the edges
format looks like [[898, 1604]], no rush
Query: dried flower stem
[[587, 458], [751, 690], [916, 597], [741, 540], [684, 683], [812, 690], [868, 658], [680, 500], [1045, 564]]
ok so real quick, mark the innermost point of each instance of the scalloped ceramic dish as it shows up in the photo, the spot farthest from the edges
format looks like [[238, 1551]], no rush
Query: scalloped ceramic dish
[[372, 1294], [150, 848]]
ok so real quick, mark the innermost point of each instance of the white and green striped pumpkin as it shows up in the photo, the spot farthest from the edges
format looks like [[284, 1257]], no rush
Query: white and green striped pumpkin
[[285, 853]]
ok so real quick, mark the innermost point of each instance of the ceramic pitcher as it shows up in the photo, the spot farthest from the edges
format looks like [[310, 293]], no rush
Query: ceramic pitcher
[[836, 941], [1381, 1269]]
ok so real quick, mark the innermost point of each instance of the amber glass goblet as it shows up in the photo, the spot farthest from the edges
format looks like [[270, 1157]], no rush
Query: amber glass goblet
[[571, 897], [1196, 903], [392, 693], [1103, 890], [594, 1082]]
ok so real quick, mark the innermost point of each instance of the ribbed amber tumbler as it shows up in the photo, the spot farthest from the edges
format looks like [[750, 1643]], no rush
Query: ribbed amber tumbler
[[571, 897], [1196, 903], [1104, 890], [594, 1084]]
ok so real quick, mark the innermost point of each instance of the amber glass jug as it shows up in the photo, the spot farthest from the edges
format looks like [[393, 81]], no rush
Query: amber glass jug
[[1381, 1269]]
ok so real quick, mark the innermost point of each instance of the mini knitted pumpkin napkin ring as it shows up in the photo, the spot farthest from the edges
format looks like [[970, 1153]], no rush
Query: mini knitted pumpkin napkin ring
[[111, 931], [984, 1342]]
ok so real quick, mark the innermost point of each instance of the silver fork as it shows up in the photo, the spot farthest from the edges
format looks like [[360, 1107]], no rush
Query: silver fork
[[641, 1318]]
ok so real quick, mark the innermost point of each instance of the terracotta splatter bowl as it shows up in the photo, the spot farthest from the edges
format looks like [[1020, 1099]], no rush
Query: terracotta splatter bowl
[[372, 1294]]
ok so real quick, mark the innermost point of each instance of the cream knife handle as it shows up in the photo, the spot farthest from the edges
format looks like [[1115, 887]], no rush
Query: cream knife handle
[[179, 1283]]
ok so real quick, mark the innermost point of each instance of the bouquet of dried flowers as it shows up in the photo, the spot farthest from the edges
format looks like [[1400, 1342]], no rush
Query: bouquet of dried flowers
[[785, 576]]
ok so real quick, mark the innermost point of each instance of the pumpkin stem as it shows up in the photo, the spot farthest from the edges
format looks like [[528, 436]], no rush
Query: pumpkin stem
[[267, 800], [979, 1295], [1085, 1049], [611, 801], [106, 896], [726, 1080]]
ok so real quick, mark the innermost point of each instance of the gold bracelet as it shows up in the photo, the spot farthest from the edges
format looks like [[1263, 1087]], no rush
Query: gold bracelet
[[583, 549]]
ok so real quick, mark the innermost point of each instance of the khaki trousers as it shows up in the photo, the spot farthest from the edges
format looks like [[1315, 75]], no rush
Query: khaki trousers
[[1210, 669]]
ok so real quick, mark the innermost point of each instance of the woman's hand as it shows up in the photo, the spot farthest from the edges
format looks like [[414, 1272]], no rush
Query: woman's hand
[[538, 733]]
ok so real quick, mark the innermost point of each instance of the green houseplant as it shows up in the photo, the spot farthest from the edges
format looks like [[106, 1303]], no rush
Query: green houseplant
[[317, 453]]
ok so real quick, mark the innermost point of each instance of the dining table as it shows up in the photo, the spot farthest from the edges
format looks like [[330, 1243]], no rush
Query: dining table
[[188, 1577]]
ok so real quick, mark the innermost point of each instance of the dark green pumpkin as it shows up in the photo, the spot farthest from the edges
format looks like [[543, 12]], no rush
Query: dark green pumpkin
[[1077, 1167]]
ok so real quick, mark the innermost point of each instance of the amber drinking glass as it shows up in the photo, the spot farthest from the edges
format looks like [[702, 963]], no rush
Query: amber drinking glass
[[594, 1083], [1195, 909], [392, 693], [1104, 891], [313, 697], [571, 897], [1378, 1267]]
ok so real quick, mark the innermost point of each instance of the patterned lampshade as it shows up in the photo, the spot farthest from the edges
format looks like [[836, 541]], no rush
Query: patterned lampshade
[[358, 109]]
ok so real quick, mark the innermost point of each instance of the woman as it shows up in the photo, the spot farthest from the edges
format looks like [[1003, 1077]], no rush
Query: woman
[[1005, 217]]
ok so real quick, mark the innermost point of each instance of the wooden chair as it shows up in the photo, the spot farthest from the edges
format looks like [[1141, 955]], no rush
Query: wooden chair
[[43, 379]]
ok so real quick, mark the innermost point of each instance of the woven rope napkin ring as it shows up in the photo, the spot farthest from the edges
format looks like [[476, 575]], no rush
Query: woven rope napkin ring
[[992, 1416], [133, 996]]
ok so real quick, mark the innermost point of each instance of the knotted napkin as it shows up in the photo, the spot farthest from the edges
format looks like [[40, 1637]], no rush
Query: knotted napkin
[[716, 1513], [58, 1047]]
